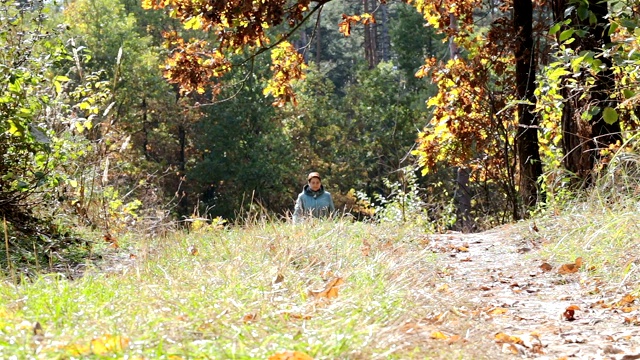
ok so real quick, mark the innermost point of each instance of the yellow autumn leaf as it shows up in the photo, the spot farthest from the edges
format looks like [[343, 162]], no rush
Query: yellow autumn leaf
[[498, 311], [439, 335], [107, 344]]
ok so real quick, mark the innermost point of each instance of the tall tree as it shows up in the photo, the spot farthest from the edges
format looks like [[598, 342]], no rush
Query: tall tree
[[528, 151]]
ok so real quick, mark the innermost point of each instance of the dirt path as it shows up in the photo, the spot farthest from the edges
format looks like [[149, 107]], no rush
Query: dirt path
[[509, 291]]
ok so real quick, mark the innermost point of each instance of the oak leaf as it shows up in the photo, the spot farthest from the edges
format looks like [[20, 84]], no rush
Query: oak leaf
[[571, 268]]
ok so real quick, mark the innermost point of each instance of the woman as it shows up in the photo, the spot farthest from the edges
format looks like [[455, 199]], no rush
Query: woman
[[313, 200]]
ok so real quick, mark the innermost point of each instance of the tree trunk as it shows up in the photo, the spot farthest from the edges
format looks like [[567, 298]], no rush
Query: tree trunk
[[583, 140], [530, 167], [385, 46]]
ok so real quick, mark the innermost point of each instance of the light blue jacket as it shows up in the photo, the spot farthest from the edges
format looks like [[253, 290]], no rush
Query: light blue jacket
[[313, 203]]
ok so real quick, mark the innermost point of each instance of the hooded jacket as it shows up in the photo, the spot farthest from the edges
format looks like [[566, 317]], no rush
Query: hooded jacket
[[313, 203]]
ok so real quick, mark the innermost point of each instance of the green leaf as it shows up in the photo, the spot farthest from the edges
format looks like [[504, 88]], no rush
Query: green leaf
[[583, 13], [628, 94], [613, 27], [566, 34], [554, 29], [610, 115], [592, 18]]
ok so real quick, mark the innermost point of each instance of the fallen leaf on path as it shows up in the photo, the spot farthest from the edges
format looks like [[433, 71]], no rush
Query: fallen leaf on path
[[498, 311], [569, 313], [502, 338], [290, 355], [546, 267], [439, 335], [632, 321], [626, 300], [571, 268]]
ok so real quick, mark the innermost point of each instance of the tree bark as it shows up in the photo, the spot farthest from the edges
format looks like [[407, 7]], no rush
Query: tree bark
[[527, 147]]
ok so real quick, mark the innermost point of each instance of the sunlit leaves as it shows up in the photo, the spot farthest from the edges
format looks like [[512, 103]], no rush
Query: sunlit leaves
[[239, 27], [287, 65], [348, 20]]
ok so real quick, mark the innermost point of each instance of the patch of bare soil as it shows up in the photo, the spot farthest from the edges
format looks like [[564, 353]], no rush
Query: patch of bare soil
[[521, 306]]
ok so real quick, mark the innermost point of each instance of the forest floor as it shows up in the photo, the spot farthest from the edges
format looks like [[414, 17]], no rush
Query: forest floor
[[538, 309]]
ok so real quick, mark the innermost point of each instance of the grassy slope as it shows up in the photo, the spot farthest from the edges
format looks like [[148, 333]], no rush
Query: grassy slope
[[225, 301]]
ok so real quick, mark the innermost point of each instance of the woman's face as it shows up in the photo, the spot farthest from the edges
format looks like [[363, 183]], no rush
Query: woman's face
[[314, 184]]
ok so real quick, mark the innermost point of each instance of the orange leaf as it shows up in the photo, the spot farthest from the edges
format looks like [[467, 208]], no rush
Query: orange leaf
[[546, 267], [290, 355], [627, 299], [502, 338], [569, 313], [571, 268], [330, 290]]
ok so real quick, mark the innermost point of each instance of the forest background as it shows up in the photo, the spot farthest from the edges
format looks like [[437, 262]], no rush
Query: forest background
[[460, 115]]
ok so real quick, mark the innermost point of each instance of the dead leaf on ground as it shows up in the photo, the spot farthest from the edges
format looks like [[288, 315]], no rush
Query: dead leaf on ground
[[502, 338], [626, 300], [278, 279], [571, 268], [249, 318], [111, 240], [569, 313], [632, 321], [498, 311], [193, 250], [330, 290], [439, 335], [546, 267], [290, 355]]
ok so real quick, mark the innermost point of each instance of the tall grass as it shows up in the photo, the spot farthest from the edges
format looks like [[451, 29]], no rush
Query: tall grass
[[242, 292], [601, 225]]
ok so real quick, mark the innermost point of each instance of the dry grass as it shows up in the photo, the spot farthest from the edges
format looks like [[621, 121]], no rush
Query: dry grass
[[244, 292]]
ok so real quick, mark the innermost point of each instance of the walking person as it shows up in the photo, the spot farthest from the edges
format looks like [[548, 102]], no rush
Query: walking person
[[314, 200]]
